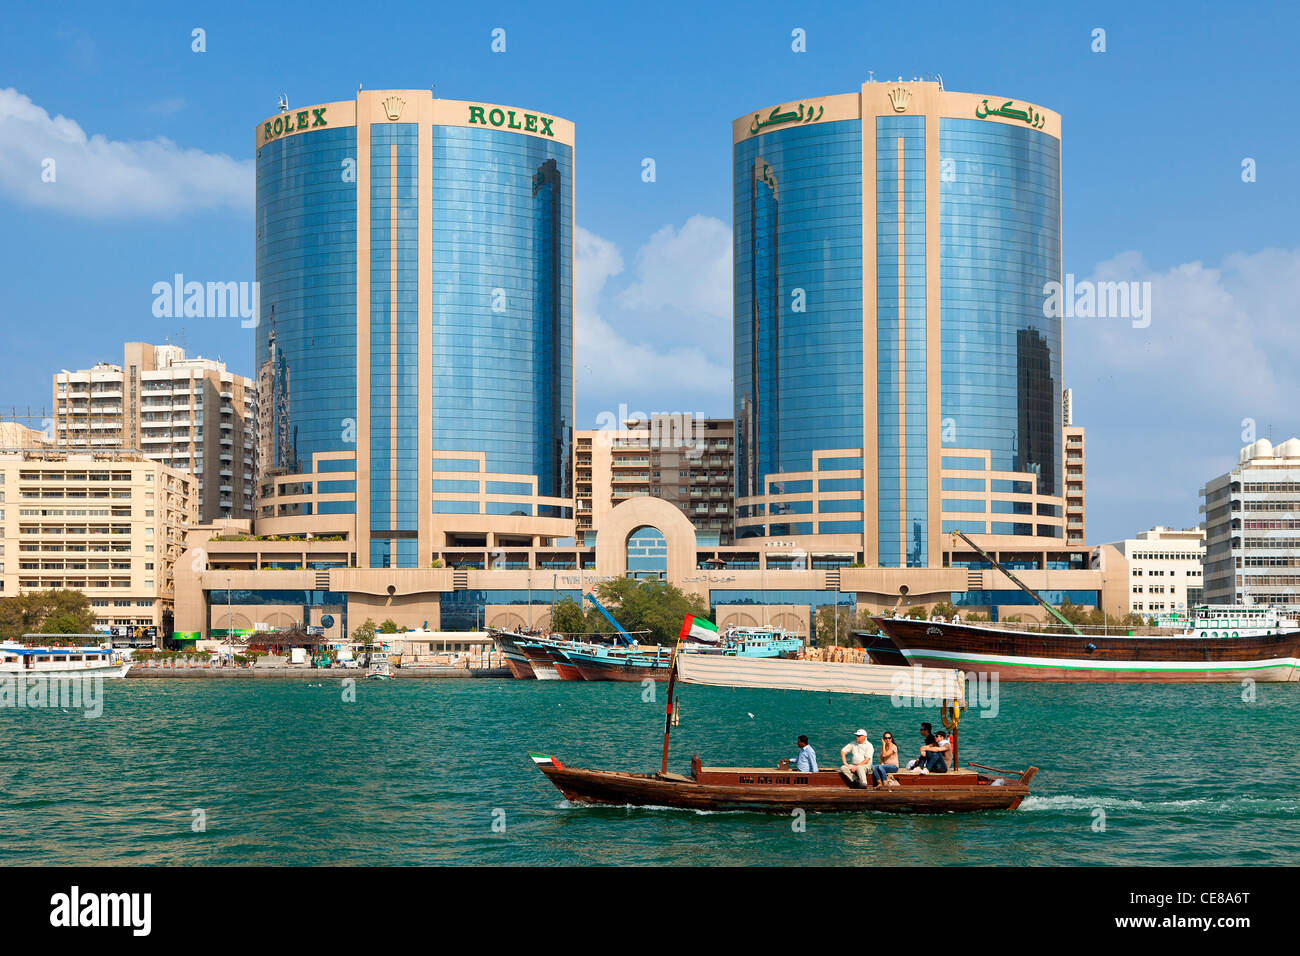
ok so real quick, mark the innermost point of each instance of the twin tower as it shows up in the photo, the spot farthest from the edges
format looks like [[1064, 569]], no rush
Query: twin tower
[[896, 377]]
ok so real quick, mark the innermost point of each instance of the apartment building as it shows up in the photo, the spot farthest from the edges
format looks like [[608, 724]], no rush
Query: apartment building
[[686, 461], [1075, 522], [1252, 528], [190, 414], [1164, 568], [110, 524]]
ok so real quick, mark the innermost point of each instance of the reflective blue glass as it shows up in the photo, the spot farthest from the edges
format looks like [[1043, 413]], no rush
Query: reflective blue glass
[[798, 298], [306, 268], [502, 310], [1000, 243]]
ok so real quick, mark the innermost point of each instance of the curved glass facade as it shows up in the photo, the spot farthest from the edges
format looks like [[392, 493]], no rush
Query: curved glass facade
[[307, 271], [798, 298], [503, 310], [458, 221], [954, 201], [1000, 242]]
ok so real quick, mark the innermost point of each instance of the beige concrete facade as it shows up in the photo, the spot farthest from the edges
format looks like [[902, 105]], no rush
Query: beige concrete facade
[[228, 558], [1164, 569], [1075, 472], [109, 524], [189, 414]]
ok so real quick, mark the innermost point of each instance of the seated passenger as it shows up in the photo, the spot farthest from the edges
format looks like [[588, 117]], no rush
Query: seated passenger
[[806, 761], [856, 758], [888, 759], [935, 756], [926, 733]]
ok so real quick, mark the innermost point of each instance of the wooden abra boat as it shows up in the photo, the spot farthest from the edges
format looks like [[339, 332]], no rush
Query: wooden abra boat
[[781, 791]]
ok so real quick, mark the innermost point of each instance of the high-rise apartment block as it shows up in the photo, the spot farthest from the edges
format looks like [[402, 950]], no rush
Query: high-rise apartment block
[[190, 414]]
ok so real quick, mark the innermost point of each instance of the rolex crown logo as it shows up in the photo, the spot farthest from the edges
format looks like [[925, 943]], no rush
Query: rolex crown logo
[[393, 107], [898, 98]]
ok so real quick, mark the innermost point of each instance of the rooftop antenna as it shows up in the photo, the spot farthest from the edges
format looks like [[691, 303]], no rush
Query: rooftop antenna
[[939, 77], [284, 102], [871, 76]]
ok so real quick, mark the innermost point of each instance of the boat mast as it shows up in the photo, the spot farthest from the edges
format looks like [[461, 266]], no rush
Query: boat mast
[[1018, 583], [672, 680]]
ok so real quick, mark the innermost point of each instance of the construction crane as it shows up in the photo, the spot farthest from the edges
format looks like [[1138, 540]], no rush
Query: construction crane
[[1018, 583], [623, 635]]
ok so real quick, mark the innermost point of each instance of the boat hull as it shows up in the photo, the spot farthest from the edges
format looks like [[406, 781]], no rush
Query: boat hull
[[766, 791], [112, 670], [566, 670], [880, 649], [516, 661], [540, 661], [613, 669], [1032, 656]]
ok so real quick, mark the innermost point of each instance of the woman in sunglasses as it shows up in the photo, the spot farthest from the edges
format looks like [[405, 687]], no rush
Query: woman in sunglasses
[[888, 758]]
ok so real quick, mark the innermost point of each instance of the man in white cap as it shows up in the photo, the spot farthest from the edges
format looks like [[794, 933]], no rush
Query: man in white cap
[[857, 760]]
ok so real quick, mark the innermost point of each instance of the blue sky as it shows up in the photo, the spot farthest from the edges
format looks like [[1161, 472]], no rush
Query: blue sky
[[1155, 132]]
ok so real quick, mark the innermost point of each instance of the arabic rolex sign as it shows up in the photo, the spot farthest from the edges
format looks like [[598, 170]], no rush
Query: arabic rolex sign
[[1007, 110], [293, 122], [778, 118], [495, 116]]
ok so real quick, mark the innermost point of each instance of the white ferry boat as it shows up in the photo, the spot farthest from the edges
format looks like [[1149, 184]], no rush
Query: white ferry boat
[[16, 659], [1227, 620]]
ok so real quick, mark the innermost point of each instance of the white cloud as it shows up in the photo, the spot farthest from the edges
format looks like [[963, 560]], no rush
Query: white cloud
[[687, 270], [97, 177], [1165, 405], [626, 359]]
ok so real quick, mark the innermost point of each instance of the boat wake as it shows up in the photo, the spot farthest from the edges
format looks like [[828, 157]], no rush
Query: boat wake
[[1232, 806]]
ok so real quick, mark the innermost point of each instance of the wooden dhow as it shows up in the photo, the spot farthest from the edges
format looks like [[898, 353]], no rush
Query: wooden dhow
[[975, 788]]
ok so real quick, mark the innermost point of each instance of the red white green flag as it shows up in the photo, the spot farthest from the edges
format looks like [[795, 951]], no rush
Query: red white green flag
[[698, 629]]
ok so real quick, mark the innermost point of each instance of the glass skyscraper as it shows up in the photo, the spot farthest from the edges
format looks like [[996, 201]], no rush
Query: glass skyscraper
[[415, 342], [897, 377]]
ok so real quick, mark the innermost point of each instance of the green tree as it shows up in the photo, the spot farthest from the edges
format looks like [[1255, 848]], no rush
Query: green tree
[[51, 612], [567, 617], [364, 633], [649, 605], [388, 627]]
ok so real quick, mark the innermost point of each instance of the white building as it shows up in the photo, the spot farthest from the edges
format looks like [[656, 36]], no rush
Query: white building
[[190, 414], [1164, 569], [1252, 528]]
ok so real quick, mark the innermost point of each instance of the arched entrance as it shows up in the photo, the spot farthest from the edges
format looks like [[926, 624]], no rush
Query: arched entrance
[[647, 554]]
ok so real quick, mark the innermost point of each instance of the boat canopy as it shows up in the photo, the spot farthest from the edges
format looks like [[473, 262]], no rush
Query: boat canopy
[[825, 676]]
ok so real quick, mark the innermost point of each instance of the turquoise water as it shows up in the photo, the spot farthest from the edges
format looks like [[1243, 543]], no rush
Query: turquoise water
[[419, 771]]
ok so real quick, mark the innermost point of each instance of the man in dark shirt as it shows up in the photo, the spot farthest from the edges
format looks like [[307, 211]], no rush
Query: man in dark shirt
[[929, 741]]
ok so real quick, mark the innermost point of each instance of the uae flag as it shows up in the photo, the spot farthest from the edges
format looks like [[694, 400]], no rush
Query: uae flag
[[698, 629]]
